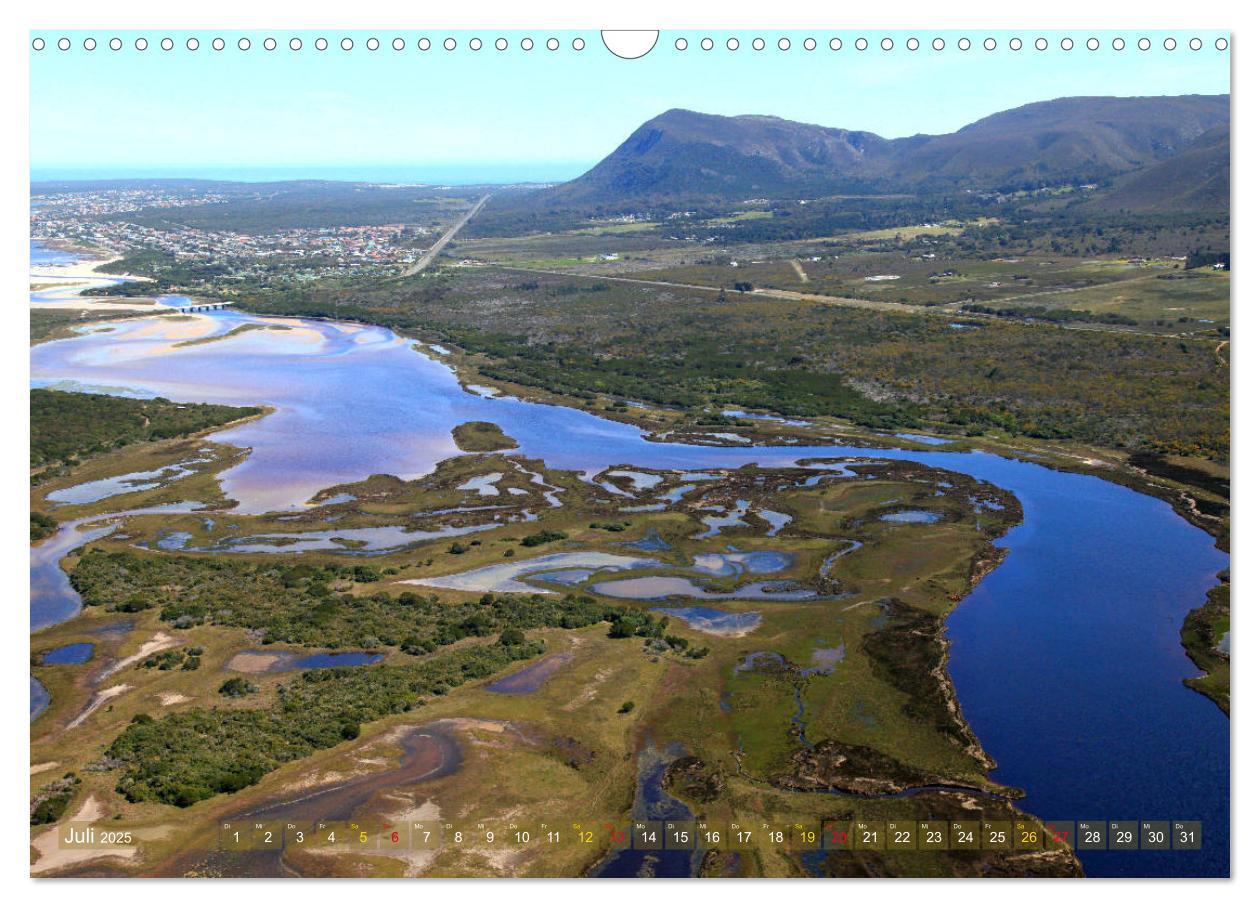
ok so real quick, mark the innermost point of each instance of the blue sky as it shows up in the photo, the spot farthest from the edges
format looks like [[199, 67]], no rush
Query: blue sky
[[489, 114]]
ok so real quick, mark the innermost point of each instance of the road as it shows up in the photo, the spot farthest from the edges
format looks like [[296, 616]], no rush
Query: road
[[432, 252], [948, 311]]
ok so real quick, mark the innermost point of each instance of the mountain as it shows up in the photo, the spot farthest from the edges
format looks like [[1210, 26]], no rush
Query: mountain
[[1195, 179], [1071, 140], [682, 153], [683, 156]]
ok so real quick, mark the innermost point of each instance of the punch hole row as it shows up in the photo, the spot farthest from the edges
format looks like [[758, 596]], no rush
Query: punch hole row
[[579, 44]]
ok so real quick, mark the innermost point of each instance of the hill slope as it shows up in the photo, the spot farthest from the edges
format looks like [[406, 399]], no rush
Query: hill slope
[[1196, 179], [682, 156]]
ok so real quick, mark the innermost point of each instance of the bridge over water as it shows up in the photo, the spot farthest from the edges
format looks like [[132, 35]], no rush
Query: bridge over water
[[201, 307]]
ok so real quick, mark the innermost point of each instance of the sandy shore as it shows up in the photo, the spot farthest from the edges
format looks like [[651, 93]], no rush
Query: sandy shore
[[252, 663], [99, 699], [159, 641], [70, 279]]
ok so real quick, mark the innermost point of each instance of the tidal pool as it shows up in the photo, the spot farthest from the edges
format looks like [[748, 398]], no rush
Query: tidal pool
[[140, 481], [1091, 595], [662, 587], [714, 621], [256, 661], [911, 516], [513, 576], [70, 654], [528, 679], [39, 698]]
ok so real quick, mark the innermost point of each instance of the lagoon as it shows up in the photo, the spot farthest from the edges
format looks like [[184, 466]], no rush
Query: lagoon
[[1088, 602]]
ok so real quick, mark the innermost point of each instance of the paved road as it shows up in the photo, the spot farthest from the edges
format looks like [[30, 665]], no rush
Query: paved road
[[432, 252]]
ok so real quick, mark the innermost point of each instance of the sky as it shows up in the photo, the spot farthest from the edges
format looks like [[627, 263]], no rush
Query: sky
[[468, 116]]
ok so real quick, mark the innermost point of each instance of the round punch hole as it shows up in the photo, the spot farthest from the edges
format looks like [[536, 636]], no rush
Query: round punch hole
[[474, 44], [321, 44], [836, 43], [527, 44], [347, 44], [680, 44], [886, 44], [269, 44], [759, 44], [912, 44], [116, 43], [784, 44], [143, 44], [89, 44], [1016, 44], [500, 44], [38, 44], [1092, 44], [1144, 43], [219, 43], [964, 44], [1066, 44], [938, 44], [1196, 44], [553, 44], [1041, 44], [424, 44], [706, 44], [449, 43], [1221, 44], [1117, 44], [398, 44], [578, 44], [295, 44], [809, 44], [167, 44], [1170, 44], [860, 43], [372, 44], [63, 43], [732, 44]]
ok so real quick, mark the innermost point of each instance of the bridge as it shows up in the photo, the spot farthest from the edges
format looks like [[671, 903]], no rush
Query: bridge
[[200, 307]]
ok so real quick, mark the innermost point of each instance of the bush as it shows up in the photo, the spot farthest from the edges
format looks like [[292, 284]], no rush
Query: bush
[[543, 537], [237, 687]]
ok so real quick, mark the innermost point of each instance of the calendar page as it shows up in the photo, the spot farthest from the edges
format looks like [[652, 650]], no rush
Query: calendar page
[[707, 453]]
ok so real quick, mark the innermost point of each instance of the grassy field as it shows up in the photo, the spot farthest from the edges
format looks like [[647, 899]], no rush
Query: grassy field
[[561, 754]]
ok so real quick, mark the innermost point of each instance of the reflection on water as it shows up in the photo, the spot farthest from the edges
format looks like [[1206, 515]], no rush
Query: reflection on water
[[141, 481], [911, 516], [712, 620], [512, 576], [1078, 600], [70, 654], [39, 699]]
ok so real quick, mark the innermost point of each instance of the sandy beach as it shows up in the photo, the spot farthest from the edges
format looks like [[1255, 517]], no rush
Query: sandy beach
[[61, 285]]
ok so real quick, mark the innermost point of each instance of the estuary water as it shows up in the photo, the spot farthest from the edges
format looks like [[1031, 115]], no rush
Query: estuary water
[[1066, 658]]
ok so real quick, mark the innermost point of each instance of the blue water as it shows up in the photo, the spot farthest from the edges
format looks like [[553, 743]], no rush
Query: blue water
[[911, 516], [1067, 658], [70, 654], [337, 660], [44, 255], [652, 802], [39, 699], [712, 620]]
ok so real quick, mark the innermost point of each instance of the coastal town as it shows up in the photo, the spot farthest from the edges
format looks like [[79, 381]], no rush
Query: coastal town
[[102, 219]]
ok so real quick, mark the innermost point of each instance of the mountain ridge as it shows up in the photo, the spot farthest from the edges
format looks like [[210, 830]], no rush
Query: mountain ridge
[[682, 155]]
